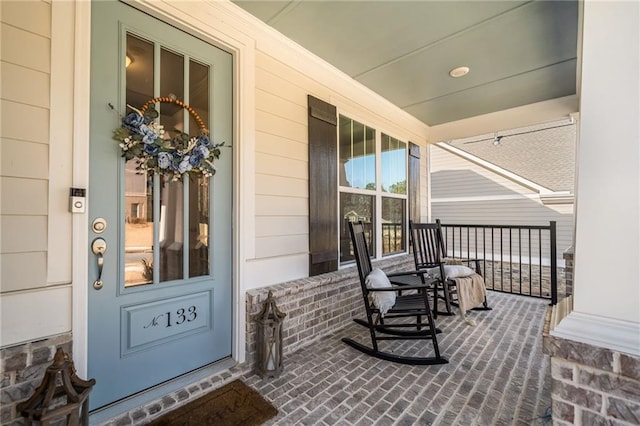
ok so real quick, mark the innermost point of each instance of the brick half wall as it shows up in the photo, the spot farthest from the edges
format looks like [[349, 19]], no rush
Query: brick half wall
[[315, 306]]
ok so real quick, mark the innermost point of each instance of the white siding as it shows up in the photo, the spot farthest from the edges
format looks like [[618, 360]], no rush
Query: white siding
[[33, 305]]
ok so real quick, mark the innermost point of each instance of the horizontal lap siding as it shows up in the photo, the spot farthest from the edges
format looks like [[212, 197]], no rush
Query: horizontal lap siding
[[507, 212], [25, 66], [281, 161], [33, 195]]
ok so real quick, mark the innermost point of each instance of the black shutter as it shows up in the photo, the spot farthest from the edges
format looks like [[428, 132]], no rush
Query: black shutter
[[414, 182], [323, 187]]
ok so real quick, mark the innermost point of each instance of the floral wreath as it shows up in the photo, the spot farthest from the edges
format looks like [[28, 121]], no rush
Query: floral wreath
[[141, 138]]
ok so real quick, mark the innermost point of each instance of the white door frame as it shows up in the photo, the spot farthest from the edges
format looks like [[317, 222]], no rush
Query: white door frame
[[219, 32]]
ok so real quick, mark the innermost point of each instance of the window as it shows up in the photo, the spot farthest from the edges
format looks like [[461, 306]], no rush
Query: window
[[394, 186], [373, 188]]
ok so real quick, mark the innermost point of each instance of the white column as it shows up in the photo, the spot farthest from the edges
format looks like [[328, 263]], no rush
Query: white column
[[607, 256]]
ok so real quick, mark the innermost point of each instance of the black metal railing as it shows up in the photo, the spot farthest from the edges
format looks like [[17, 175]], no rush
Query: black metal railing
[[519, 259], [393, 238]]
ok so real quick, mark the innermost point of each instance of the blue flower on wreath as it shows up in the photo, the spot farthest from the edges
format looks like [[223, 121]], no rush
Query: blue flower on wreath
[[185, 165], [164, 160], [133, 121], [198, 154], [148, 136], [204, 140]]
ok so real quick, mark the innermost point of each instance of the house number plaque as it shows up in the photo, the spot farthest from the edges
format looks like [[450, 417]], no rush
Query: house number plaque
[[168, 319], [157, 322]]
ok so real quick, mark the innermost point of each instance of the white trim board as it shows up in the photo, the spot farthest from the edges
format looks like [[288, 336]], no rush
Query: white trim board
[[617, 335], [555, 198], [486, 198]]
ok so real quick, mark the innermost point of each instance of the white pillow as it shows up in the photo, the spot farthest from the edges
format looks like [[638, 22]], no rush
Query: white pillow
[[457, 271], [383, 300]]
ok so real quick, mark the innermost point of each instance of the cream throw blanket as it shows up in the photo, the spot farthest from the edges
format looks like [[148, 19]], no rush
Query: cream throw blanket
[[471, 291]]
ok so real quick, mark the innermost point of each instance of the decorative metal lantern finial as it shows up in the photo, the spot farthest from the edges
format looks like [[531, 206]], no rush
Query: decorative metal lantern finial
[[269, 349]]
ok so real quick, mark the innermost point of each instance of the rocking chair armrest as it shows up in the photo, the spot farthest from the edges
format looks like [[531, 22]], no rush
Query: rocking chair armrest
[[402, 287], [401, 274]]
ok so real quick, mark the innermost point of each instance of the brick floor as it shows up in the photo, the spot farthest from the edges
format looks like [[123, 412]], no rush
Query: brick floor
[[497, 375]]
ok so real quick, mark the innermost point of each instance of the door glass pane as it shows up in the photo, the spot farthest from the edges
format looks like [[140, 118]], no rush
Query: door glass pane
[[138, 206], [394, 165], [170, 229], [171, 84], [171, 224], [198, 226], [357, 155], [393, 225], [354, 208], [198, 186], [198, 94], [139, 210]]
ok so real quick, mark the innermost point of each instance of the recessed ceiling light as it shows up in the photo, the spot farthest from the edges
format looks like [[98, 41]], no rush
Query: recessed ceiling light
[[459, 72]]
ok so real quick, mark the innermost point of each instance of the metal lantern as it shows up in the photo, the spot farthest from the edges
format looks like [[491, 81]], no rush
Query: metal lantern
[[62, 395], [269, 345]]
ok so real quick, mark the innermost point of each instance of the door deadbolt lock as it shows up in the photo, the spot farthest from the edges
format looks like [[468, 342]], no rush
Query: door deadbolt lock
[[99, 247], [99, 225]]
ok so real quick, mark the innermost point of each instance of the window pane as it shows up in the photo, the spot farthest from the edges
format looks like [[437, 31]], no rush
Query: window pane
[[198, 187], [354, 208], [138, 205], [171, 83], [198, 226], [198, 94], [394, 165], [393, 225], [357, 155], [171, 229]]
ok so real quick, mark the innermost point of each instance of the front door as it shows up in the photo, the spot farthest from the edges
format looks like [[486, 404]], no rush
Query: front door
[[160, 284]]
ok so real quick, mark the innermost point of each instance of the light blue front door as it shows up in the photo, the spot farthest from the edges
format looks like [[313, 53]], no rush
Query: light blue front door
[[163, 306]]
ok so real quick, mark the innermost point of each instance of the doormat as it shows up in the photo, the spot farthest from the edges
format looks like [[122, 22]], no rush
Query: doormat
[[233, 404]]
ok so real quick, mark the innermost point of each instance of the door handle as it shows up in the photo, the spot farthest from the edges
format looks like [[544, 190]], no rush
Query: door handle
[[99, 247]]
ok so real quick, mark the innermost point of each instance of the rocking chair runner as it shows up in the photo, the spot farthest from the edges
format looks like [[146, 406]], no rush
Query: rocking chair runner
[[402, 321], [429, 252]]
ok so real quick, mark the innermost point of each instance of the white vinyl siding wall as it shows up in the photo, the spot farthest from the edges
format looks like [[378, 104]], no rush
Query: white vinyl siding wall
[[465, 193], [25, 73], [36, 82]]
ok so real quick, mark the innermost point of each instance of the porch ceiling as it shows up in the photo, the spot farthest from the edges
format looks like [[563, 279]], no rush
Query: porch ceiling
[[519, 52]]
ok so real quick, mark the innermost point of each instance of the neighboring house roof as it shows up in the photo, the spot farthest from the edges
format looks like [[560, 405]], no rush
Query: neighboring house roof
[[544, 154]]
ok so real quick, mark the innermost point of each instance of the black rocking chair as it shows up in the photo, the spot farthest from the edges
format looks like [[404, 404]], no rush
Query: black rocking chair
[[404, 320], [429, 252]]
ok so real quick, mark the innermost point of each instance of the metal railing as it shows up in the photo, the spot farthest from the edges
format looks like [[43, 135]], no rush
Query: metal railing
[[518, 259], [393, 238]]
